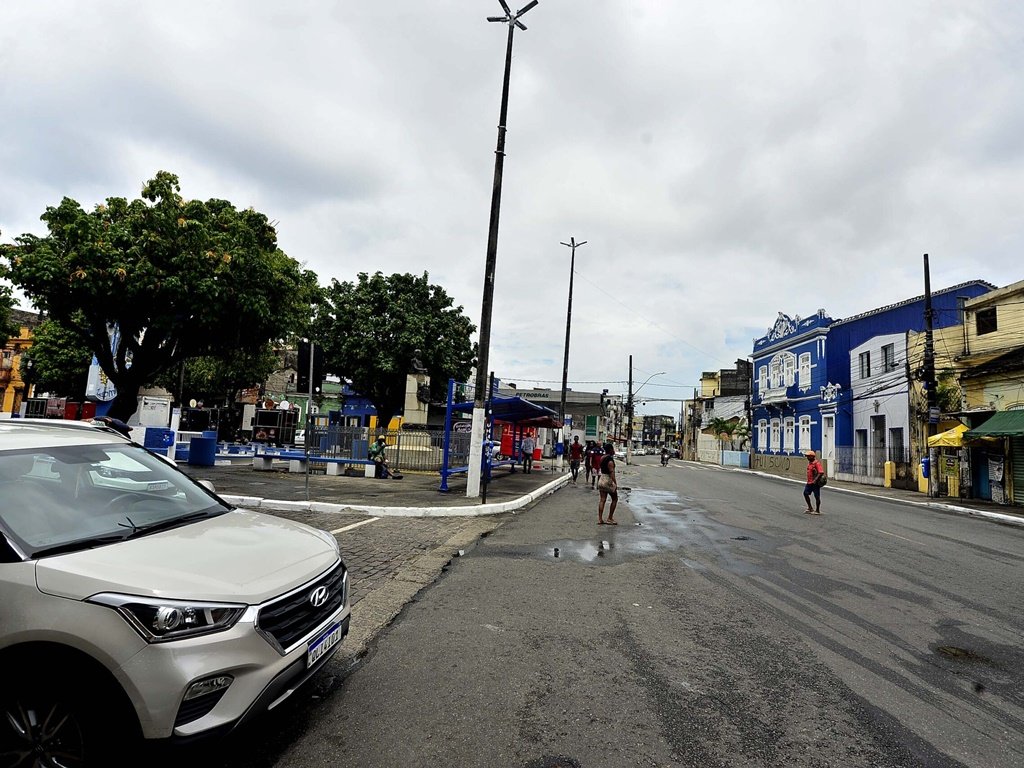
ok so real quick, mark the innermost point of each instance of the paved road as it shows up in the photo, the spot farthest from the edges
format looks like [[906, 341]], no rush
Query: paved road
[[728, 629]]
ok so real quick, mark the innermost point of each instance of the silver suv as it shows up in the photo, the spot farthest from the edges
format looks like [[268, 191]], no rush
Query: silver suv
[[134, 601]]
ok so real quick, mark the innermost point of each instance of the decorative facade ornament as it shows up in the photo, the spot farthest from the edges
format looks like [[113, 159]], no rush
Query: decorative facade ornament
[[784, 326], [830, 392]]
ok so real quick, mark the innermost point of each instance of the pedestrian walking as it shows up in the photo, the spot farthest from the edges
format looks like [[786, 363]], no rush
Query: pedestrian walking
[[815, 479], [526, 445], [575, 457], [608, 485]]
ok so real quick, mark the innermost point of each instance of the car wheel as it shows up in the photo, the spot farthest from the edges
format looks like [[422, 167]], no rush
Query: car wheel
[[44, 723]]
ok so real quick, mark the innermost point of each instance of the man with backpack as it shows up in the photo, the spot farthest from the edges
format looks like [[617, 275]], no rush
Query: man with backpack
[[815, 479]]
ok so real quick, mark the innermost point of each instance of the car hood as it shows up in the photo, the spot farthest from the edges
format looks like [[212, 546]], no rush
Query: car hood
[[238, 557]]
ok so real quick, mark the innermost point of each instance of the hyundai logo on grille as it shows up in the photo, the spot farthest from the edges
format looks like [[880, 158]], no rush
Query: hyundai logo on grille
[[318, 597]]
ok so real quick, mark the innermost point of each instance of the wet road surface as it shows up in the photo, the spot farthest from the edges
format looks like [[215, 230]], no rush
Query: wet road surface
[[715, 626]]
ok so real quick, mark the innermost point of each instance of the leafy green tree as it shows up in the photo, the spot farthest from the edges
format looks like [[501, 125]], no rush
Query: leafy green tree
[[8, 327], [370, 331], [213, 379], [60, 358], [157, 280]]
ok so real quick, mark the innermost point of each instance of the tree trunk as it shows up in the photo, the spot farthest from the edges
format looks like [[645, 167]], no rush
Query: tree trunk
[[126, 402]]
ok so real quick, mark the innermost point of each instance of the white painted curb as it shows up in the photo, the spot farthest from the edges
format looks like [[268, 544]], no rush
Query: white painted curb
[[981, 513], [254, 502]]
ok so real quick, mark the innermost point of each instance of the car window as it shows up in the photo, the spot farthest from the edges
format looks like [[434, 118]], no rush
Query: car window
[[60, 497]]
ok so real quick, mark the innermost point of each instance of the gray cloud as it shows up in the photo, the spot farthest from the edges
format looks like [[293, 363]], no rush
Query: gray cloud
[[723, 161]]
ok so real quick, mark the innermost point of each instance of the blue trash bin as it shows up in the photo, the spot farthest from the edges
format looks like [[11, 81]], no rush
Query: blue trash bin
[[202, 451], [925, 466], [157, 439]]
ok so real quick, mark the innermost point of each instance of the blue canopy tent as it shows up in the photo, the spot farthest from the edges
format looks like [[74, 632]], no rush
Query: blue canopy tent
[[511, 410]]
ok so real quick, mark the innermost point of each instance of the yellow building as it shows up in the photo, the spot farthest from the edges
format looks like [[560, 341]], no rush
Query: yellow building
[[13, 389]]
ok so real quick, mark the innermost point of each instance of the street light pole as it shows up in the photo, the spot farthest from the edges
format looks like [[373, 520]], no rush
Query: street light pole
[[629, 407], [572, 244], [481, 394]]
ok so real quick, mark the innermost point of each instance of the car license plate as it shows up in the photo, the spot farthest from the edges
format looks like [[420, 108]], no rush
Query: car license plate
[[323, 644]]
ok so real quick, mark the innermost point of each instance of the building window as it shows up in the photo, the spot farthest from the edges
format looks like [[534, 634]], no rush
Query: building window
[[985, 321], [790, 370], [789, 435], [762, 433], [805, 434], [888, 358], [762, 378], [805, 370], [865, 365], [776, 440], [896, 449], [776, 372]]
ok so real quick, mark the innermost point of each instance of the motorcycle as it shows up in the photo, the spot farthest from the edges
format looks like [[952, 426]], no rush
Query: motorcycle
[[664, 458]]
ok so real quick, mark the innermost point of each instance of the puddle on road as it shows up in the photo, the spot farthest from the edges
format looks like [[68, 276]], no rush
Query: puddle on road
[[665, 522]]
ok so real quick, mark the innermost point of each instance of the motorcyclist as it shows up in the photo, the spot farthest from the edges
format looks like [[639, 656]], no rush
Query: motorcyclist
[[664, 455]]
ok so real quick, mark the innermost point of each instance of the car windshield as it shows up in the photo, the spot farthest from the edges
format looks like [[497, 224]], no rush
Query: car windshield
[[76, 497]]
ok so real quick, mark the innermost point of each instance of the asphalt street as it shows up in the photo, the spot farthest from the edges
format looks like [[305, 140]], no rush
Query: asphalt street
[[717, 625]]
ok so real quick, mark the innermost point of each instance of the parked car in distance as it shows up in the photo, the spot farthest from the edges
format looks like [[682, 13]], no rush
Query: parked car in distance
[[137, 603]]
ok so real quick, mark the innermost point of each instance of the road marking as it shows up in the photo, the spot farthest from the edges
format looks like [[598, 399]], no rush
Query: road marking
[[912, 541], [354, 525]]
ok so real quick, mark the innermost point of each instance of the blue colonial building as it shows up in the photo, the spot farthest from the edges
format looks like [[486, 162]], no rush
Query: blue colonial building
[[804, 398]]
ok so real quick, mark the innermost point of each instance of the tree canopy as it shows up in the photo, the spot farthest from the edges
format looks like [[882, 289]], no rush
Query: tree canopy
[[370, 330], [60, 359], [8, 327], [157, 280]]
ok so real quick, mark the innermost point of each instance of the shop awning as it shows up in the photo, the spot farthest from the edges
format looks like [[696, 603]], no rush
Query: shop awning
[[1002, 424], [520, 411], [951, 438]]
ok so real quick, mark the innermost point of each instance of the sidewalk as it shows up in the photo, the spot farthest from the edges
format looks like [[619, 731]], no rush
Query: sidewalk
[[1000, 513], [415, 495]]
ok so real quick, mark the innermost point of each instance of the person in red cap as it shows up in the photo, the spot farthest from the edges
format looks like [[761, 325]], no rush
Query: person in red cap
[[814, 469]]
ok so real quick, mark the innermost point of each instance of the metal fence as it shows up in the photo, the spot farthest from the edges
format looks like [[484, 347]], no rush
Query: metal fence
[[407, 449], [869, 464]]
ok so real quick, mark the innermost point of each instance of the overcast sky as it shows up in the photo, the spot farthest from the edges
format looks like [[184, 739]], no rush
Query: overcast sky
[[724, 161]]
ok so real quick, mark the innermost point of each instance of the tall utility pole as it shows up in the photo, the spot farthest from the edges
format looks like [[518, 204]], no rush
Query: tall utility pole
[[929, 382], [629, 414], [481, 392], [568, 325]]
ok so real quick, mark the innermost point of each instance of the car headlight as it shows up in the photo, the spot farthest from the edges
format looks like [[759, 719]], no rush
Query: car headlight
[[160, 621]]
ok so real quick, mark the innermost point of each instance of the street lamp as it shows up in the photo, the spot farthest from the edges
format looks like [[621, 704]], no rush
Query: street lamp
[[481, 394], [572, 244], [629, 407]]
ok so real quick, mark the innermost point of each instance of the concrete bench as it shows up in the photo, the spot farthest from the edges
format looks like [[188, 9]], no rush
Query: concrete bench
[[333, 465]]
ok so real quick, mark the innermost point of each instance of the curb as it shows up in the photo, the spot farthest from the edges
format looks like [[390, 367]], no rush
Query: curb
[[997, 517], [257, 503]]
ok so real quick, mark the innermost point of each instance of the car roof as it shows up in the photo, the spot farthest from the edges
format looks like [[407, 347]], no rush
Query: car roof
[[19, 434]]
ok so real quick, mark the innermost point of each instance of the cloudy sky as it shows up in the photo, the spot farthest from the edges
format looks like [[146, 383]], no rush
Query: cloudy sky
[[724, 161]]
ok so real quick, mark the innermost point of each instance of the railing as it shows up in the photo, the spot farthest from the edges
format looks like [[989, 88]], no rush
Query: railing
[[407, 449], [861, 464]]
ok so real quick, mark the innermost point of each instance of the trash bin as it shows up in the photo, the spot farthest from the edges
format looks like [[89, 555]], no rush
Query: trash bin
[[158, 439], [925, 462], [202, 451]]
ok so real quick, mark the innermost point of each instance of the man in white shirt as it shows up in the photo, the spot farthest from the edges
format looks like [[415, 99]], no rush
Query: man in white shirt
[[526, 446]]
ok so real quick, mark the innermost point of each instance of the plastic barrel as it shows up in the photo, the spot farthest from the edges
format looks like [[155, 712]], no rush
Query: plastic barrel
[[202, 451]]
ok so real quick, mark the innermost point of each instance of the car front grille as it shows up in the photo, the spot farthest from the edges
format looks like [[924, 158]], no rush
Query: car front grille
[[288, 619]]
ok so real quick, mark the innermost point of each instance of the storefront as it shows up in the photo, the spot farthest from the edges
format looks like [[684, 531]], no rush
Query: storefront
[[1005, 469]]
